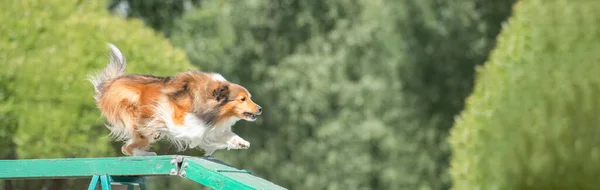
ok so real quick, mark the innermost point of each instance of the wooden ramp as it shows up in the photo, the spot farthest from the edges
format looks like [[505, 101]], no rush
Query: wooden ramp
[[132, 170]]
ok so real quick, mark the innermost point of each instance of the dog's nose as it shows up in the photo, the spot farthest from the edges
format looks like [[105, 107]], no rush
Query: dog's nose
[[259, 110]]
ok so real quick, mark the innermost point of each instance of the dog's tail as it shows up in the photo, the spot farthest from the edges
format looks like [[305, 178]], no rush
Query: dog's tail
[[115, 68]]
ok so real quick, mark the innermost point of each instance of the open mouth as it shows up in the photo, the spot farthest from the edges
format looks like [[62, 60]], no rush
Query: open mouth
[[250, 115]]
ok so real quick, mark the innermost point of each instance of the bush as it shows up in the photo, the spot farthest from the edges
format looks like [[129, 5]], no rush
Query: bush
[[49, 47], [532, 120]]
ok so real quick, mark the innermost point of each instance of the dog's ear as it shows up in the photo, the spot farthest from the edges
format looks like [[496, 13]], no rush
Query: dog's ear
[[221, 93]]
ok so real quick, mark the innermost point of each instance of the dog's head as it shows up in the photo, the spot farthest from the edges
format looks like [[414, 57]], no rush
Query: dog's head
[[236, 101]]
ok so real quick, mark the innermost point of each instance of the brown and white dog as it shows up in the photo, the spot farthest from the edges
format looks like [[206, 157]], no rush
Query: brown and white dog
[[192, 109]]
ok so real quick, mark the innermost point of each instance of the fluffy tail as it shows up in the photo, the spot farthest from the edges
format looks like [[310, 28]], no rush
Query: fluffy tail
[[115, 68]]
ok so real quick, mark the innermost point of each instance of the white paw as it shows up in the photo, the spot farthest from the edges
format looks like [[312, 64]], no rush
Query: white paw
[[237, 142], [138, 152]]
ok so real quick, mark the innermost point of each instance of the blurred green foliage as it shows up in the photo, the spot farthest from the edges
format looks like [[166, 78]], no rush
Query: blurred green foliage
[[314, 67], [532, 121], [158, 14], [357, 94], [48, 49], [443, 41], [8, 119]]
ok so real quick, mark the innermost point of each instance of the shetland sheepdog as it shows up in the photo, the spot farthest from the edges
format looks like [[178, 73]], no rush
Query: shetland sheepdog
[[191, 109]]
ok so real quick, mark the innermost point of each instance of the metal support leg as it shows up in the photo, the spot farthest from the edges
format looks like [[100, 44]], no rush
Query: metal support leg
[[129, 181], [105, 181], [108, 181], [143, 184], [94, 182]]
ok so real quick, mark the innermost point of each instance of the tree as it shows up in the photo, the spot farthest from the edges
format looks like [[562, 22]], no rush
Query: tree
[[8, 124], [531, 122], [255, 44], [48, 50], [444, 42], [347, 86], [158, 14]]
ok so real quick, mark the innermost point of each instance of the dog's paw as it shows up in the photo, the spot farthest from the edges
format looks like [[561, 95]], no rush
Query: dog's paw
[[237, 142], [137, 152]]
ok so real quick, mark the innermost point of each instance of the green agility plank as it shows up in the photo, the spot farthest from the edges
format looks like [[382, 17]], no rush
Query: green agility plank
[[132, 170], [217, 175], [87, 167]]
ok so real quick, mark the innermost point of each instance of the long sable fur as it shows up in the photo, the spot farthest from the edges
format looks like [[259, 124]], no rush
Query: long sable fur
[[135, 104]]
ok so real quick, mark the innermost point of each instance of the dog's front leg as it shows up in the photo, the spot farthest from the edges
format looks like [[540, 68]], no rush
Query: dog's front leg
[[227, 141], [236, 142], [230, 140]]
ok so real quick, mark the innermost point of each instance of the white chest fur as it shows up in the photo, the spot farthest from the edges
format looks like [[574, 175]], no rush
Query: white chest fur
[[195, 133]]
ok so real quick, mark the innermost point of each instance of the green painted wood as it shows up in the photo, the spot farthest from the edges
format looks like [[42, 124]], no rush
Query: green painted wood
[[128, 170], [219, 176], [86, 167]]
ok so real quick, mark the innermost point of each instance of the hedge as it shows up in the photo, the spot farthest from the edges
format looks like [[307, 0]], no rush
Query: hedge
[[532, 121]]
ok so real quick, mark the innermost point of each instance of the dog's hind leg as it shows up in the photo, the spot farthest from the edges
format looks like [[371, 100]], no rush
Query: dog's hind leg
[[138, 144]]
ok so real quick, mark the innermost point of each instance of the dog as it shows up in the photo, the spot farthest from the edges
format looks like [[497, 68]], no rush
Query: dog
[[192, 109]]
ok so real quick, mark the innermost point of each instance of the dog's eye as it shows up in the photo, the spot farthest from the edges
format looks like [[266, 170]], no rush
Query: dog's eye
[[243, 99]]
